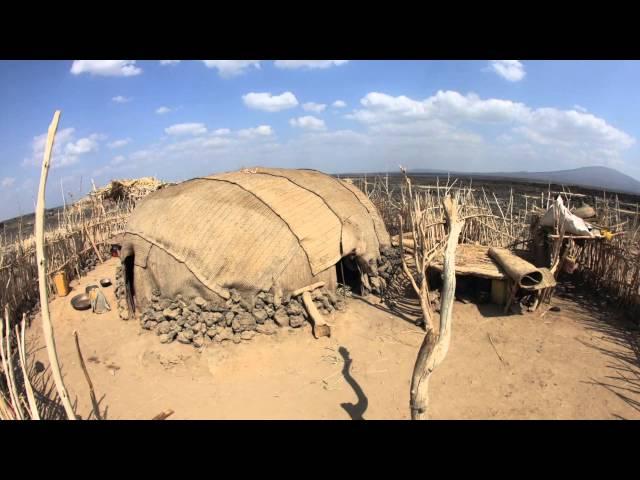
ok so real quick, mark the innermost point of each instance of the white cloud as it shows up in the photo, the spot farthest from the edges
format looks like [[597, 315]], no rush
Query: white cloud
[[232, 68], [186, 129], [260, 131], [169, 62], [572, 129], [338, 104], [445, 105], [119, 143], [187, 157], [308, 64], [162, 110], [7, 182], [270, 103], [580, 108], [198, 145], [118, 160], [545, 135], [448, 129], [313, 107], [107, 68], [82, 146], [308, 122], [66, 150], [121, 99], [511, 70]]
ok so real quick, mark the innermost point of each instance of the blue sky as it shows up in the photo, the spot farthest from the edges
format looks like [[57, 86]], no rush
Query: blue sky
[[177, 120]]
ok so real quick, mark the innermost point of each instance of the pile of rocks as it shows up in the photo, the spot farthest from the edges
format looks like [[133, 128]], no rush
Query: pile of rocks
[[389, 262], [390, 272], [199, 322], [388, 266], [123, 309]]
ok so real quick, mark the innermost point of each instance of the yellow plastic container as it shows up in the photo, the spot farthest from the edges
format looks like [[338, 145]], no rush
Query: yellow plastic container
[[61, 283]]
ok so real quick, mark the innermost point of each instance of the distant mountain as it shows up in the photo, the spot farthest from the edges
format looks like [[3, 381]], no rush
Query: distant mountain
[[594, 177]]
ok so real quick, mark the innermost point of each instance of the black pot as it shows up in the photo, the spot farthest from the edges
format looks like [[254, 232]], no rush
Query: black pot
[[81, 302]]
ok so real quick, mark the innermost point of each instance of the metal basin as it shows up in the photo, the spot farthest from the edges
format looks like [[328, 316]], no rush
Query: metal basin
[[81, 302]]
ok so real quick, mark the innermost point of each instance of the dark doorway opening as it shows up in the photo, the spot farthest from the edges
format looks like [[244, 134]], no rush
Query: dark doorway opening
[[349, 274], [130, 290]]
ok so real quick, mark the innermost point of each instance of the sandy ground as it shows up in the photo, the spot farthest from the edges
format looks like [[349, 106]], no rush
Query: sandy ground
[[575, 364]]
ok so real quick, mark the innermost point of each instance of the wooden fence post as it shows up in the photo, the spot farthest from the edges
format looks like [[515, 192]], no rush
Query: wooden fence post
[[41, 258]]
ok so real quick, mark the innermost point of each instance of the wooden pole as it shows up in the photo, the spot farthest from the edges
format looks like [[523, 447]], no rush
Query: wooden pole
[[33, 406], [93, 244], [434, 349], [94, 400], [7, 367], [320, 327], [64, 201], [41, 258]]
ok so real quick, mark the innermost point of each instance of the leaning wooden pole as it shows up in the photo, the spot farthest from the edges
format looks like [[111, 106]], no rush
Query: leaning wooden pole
[[434, 348], [92, 394], [47, 327]]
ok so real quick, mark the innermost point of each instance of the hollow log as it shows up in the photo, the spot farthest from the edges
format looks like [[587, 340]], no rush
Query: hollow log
[[408, 242], [395, 240], [523, 273]]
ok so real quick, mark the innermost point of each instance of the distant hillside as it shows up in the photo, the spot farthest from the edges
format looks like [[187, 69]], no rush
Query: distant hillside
[[604, 178]]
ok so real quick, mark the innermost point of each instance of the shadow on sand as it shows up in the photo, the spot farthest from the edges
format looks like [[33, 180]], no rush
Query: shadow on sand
[[619, 339], [355, 411]]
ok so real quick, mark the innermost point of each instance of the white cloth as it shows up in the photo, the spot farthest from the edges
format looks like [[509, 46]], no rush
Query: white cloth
[[572, 224]]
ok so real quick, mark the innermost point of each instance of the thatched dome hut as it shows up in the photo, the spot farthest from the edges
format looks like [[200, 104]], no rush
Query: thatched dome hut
[[250, 230]]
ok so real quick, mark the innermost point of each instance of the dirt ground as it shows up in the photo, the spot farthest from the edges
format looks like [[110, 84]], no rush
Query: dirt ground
[[572, 364]]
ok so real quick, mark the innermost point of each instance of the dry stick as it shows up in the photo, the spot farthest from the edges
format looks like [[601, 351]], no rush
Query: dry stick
[[94, 401], [6, 412], [93, 244], [504, 221], [433, 350], [163, 415], [47, 327], [420, 256], [7, 367], [320, 327], [308, 288], [426, 309], [495, 349], [33, 406]]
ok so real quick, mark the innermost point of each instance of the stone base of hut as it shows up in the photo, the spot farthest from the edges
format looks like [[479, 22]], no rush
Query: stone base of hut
[[198, 321]]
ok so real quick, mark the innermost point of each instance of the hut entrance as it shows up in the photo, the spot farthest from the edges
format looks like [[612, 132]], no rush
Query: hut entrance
[[349, 274], [129, 284]]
